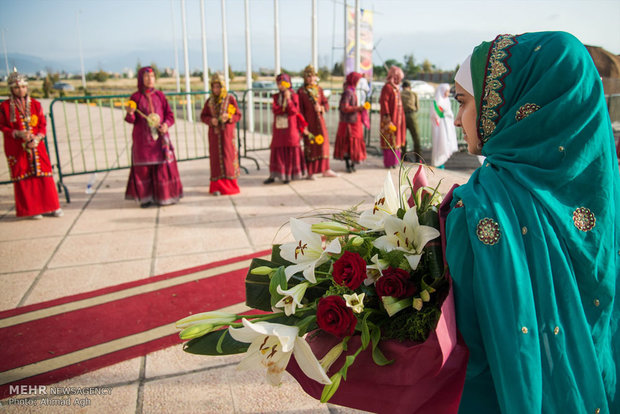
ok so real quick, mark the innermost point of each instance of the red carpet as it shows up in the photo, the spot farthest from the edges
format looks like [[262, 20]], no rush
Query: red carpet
[[111, 325]]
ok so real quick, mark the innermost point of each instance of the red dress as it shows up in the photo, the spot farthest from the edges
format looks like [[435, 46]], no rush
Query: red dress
[[223, 156], [391, 108], [350, 136], [31, 170], [316, 153], [154, 176], [286, 161]]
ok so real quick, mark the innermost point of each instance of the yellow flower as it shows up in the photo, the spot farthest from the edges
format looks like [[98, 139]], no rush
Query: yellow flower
[[34, 120], [319, 139], [367, 106], [231, 110], [131, 104], [392, 128], [286, 84]]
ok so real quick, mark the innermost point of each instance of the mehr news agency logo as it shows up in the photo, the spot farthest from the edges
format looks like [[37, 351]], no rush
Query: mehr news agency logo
[[44, 395]]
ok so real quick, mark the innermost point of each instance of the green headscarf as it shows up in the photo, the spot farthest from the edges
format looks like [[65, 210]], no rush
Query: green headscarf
[[533, 240]]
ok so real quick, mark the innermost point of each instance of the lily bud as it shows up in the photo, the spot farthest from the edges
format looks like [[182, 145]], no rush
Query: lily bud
[[357, 241], [212, 318], [328, 360], [196, 331], [262, 270], [330, 228]]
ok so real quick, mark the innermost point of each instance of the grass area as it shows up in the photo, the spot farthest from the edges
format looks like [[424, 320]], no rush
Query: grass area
[[127, 86]]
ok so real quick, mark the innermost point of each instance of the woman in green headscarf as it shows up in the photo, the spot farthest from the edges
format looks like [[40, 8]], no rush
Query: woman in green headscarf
[[533, 238]]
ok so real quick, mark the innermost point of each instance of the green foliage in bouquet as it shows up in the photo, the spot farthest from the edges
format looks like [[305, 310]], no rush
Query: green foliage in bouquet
[[378, 274]]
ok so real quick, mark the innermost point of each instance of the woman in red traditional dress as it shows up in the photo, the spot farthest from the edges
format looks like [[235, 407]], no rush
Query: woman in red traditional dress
[[23, 125], [312, 105], [393, 126], [287, 158], [154, 176], [350, 145], [221, 113]]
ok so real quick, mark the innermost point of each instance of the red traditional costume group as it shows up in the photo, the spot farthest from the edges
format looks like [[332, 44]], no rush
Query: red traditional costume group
[[23, 126], [154, 176], [221, 113]]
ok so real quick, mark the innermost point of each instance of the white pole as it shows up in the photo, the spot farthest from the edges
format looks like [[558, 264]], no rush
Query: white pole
[[188, 98], [6, 56], [248, 69], [205, 67], [276, 29], [224, 43], [357, 36], [175, 45], [344, 59], [315, 47], [77, 22]]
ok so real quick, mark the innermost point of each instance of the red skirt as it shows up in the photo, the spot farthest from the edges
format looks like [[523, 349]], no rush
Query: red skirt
[[350, 142], [287, 163], [317, 166], [158, 183], [225, 186], [35, 195]]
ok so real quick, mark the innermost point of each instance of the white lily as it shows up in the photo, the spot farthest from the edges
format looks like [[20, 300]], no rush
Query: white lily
[[375, 270], [292, 298], [355, 302], [386, 204], [307, 251], [406, 235], [271, 346]]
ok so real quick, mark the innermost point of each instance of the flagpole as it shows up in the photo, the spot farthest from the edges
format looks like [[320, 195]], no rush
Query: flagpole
[[188, 98]]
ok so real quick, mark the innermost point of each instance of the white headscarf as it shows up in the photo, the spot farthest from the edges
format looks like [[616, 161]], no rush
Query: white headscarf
[[463, 76]]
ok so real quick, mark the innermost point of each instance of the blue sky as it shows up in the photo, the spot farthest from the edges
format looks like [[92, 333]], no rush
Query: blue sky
[[442, 31]]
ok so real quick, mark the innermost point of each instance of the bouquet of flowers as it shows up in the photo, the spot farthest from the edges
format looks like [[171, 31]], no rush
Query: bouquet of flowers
[[376, 276]]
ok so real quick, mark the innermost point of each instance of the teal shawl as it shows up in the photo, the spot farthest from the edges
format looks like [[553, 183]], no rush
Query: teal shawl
[[533, 238]]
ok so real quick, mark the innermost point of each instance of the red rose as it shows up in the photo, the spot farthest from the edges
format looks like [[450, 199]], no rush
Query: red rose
[[350, 270], [334, 317], [396, 283]]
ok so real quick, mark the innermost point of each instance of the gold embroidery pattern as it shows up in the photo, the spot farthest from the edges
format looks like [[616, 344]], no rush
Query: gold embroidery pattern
[[526, 110], [584, 219], [492, 98], [488, 231], [459, 204]]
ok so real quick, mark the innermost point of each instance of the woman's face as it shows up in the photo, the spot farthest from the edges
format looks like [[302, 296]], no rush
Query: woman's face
[[309, 79], [466, 118], [149, 80], [21, 90], [216, 88]]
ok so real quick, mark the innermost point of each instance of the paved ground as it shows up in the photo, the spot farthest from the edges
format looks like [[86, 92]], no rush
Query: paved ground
[[104, 240]]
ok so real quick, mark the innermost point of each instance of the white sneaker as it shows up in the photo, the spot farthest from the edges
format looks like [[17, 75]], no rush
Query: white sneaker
[[36, 217], [58, 213]]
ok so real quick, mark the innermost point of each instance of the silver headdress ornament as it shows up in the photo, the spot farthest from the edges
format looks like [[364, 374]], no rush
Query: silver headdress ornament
[[16, 78]]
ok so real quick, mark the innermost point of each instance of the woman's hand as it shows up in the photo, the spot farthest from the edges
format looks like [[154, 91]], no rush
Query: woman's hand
[[163, 128], [287, 94], [225, 118], [32, 143], [214, 122]]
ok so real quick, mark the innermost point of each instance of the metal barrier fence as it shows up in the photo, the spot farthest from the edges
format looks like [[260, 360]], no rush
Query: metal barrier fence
[[90, 135]]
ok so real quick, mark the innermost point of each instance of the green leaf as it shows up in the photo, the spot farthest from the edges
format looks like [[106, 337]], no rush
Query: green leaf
[[208, 344], [330, 390], [365, 331], [257, 287], [278, 279], [377, 355]]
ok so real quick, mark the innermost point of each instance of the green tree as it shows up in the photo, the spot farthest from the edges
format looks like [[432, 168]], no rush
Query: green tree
[[379, 71], [47, 85], [410, 68], [337, 70], [155, 69], [323, 73], [427, 66]]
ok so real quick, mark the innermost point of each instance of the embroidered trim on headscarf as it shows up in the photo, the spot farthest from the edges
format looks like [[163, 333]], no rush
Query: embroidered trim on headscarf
[[493, 98], [526, 110], [459, 204], [584, 219], [488, 231]]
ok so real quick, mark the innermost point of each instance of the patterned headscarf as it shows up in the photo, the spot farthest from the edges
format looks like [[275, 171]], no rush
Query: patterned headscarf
[[141, 72], [217, 79], [395, 75], [15, 79], [17, 103], [352, 79]]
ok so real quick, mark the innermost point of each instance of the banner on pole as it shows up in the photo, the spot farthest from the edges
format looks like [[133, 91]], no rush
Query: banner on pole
[[366, 44]]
